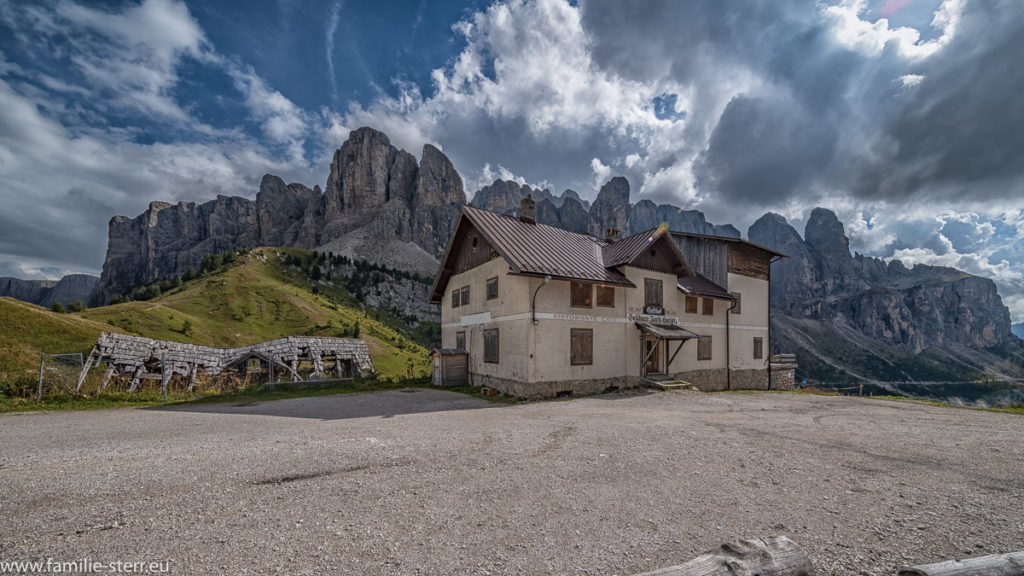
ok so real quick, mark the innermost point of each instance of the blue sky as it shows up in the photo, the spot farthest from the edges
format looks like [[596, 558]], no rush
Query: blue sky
[[903, 116]]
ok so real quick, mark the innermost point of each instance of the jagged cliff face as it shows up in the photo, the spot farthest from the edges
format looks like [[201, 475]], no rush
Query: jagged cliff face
[[924, 310], [379, 205], [846, 315], [611, 209]]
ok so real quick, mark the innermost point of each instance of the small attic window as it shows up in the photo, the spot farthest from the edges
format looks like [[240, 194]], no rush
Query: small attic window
[[652, 252], [475, 242]]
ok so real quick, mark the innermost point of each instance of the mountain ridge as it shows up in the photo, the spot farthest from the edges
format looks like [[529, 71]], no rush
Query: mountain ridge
[[381, 205]]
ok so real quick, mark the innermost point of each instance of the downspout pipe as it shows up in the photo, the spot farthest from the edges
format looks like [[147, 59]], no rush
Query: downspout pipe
[[728, 354]]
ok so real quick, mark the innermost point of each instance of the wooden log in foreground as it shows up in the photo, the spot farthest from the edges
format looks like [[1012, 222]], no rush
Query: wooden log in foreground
[[772, 556], [1011, 564]]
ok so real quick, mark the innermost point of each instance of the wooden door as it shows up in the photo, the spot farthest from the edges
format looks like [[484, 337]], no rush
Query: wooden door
[[653, 361]]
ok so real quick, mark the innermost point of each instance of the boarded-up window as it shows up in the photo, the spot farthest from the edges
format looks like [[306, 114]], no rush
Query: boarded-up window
[[758, 348], [606, 296], [460, 340], [455, 298], [582, 350], [709, 307], [704, 348], [652, 292], [464, 295], [739, 299], [491, 346], [581, 295], [691, 304], [492, 288]]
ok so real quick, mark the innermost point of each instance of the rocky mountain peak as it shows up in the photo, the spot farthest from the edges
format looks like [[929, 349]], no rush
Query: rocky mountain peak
[[825, 233], [611, 208], [438, 183]]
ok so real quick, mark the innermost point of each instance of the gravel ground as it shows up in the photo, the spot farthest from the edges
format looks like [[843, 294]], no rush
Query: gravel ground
[[431, 482]]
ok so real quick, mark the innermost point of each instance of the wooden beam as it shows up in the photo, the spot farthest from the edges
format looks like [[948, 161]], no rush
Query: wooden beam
[[85, 369], [1010, 564], [106, 377], [772, 556]]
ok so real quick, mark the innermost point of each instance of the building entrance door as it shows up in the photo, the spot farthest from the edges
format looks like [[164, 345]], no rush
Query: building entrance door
[[653, 361]]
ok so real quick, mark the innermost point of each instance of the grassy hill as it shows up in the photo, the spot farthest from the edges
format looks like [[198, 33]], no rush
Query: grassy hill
[[256, 298], [26, 330]]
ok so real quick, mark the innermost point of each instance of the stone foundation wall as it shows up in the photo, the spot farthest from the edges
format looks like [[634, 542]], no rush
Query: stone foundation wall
[[783, 378], [705, 380], [749, 380], [539, 390]]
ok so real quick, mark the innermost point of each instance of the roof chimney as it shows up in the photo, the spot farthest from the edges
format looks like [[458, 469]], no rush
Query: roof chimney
[[528, 210], [611, 235]]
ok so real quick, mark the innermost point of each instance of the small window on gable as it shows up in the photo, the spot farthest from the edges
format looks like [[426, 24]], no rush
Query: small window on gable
[[581, 295], [709, 307], [606, 296], [704, 348], [738, 298], [460, 340], [464, 295], [492, 288], [491, 346], [652, 292], [455, 299], [691, 304], [758, 348], [582, 347]]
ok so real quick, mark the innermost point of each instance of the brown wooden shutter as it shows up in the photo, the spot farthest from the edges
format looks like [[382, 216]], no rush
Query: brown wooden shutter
[[704, 348], [582, 347]]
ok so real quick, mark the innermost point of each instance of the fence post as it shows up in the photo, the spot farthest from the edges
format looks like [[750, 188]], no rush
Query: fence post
[[39, 391]]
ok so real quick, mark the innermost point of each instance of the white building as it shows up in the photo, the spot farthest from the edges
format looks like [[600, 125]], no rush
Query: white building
[[541, 311]]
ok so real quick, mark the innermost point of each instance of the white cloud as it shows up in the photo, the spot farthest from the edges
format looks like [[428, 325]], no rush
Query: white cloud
[[282, 121], [871, 38], [133, 54]]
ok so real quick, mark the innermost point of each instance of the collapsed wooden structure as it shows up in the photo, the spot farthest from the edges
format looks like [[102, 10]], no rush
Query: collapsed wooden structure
[[145, 358]]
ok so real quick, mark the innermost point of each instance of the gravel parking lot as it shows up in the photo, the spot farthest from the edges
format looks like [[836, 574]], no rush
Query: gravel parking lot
[[431, 482]]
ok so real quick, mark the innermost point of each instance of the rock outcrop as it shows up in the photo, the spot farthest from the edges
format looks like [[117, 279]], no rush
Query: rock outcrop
[[45, 292], [933, 311], [378, 204]]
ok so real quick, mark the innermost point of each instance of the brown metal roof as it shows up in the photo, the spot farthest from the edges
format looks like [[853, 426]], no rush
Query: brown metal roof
[[625, 250], [538, 249], [701, 286]]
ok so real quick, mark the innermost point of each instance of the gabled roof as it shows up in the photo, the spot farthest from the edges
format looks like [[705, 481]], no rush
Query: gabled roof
[[542, 250], [628, 249], [700, 286]]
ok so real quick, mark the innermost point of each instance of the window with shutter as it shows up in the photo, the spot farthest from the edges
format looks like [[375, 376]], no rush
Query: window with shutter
[[455, 298], [691, 304], [460, 340], [464, 295], [704, 348], [709, 307], [492, 288], [758, 348], [491, 346], [582, 348], [581, 295], [606, 296]]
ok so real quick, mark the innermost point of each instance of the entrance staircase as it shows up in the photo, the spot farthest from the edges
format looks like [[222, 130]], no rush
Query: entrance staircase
[[665, 382]]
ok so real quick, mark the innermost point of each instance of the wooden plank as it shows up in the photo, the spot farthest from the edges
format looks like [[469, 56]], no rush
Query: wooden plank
[[1011, 564], [772, 556]]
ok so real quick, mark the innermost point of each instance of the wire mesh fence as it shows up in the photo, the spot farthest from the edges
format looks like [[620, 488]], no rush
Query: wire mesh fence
[[58, 374]]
